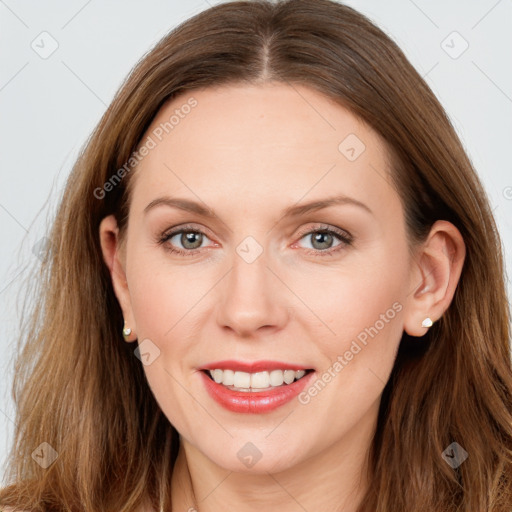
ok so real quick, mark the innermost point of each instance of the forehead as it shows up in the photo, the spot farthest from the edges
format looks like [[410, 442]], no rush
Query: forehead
[[261, 140]]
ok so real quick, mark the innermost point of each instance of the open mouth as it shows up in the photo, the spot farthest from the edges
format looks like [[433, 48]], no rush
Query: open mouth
[[255, 382]]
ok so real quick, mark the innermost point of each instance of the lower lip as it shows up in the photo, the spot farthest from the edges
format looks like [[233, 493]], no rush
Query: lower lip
[[255, 402]]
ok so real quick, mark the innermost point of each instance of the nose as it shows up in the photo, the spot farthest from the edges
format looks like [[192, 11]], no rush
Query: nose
[[252, 299]]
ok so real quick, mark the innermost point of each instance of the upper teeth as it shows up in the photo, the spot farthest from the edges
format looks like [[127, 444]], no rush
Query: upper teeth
[[258, 380]]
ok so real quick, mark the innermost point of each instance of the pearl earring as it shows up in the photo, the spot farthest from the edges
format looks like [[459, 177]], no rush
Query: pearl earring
[[126, 332], [427, 323]]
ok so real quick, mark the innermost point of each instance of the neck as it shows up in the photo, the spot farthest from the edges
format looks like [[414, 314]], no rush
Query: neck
[[333, 480]]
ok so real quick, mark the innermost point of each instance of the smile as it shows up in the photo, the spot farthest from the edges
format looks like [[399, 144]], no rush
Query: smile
[[257, 382], [238, 389]]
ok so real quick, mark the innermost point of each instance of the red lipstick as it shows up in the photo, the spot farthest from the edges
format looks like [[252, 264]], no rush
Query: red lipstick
[[252, 367], [255, 402]]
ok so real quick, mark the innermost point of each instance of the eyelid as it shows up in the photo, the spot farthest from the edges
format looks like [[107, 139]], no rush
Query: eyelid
[[326, 227], [184, 227]]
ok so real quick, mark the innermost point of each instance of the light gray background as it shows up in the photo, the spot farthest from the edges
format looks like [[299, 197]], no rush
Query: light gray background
[[49, 106]]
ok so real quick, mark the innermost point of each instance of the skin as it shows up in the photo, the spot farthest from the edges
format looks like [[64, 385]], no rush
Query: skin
[[247, 153]]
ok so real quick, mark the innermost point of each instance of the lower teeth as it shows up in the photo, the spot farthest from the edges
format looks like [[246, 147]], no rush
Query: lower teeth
[[247, 390], [256, 390]]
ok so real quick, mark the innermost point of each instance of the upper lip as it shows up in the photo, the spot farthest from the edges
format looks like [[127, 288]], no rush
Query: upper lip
[[253, 366]]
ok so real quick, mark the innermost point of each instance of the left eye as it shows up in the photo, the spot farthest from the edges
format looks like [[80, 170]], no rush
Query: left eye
[[323, 239]]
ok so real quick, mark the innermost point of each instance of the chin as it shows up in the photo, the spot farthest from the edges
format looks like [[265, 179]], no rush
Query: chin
[[247, 458]]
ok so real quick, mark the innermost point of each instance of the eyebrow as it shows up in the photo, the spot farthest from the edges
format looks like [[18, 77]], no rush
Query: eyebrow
[[292, 211]]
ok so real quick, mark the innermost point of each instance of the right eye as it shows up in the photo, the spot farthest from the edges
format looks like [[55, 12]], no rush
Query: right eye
[[190, 238]]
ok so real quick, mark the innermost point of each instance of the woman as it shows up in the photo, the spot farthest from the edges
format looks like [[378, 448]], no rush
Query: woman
[[274, 282]]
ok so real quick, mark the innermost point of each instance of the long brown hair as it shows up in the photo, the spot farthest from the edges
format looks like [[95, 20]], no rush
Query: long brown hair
[[78, 386]]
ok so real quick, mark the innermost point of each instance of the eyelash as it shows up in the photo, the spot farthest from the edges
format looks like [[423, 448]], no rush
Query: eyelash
[[342, 236]]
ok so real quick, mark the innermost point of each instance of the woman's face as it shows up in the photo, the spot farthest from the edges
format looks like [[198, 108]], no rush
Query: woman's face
[[267, 278]]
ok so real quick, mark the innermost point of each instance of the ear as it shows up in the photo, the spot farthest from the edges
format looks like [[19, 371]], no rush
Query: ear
[[435, 272], [115, 259]]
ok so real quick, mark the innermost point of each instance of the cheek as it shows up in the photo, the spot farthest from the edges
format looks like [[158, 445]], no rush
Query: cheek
[[366, 317], [163, 294], [357, 298], [363, 308], [163, 300]]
